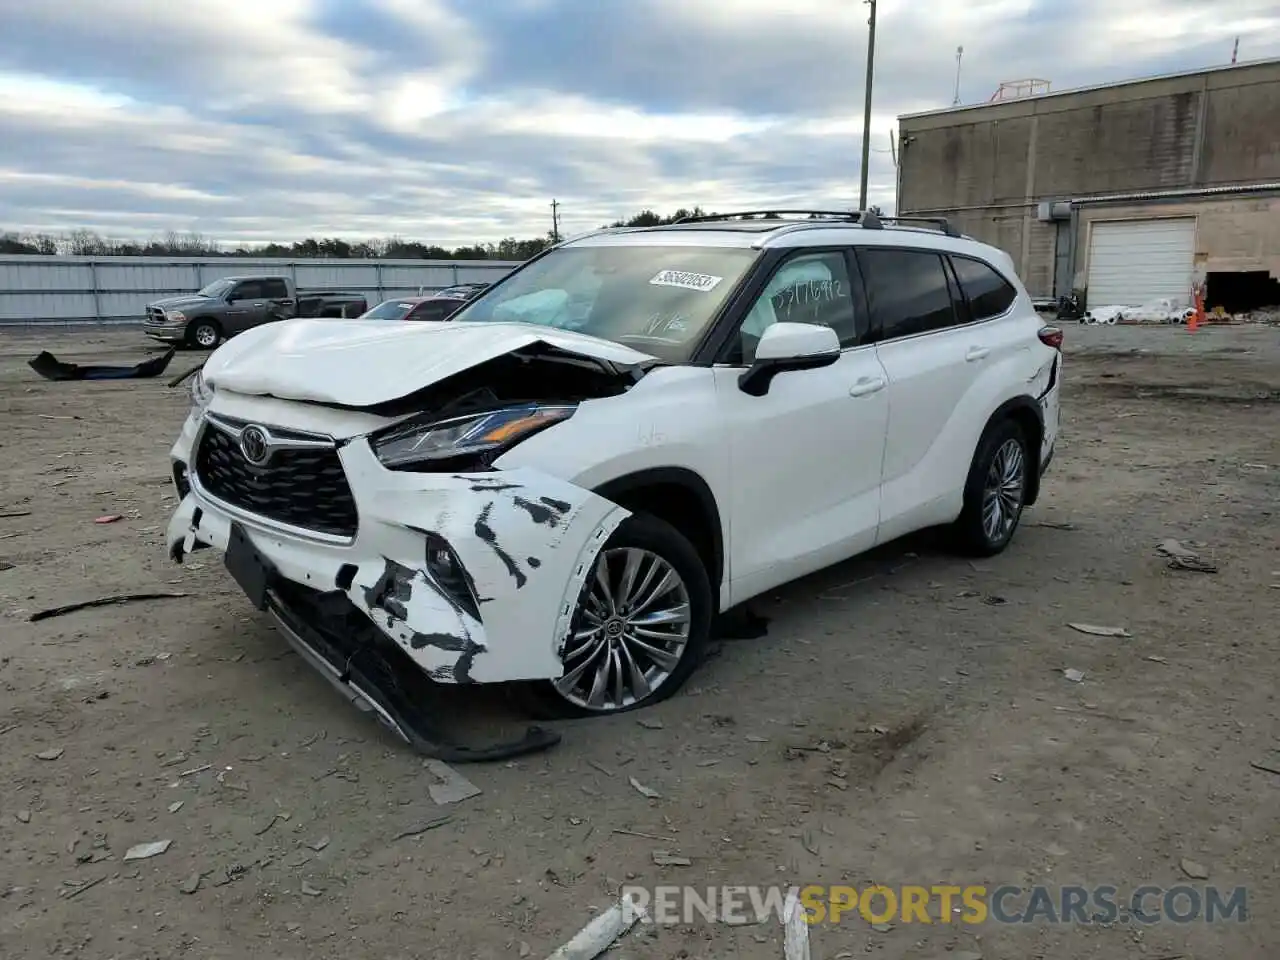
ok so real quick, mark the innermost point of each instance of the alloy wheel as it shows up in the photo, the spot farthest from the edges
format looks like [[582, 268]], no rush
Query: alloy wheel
[[206, 336], [629, 633], [1003, 492]]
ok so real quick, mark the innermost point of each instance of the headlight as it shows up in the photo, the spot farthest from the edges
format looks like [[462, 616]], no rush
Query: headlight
[[177, 316], [201, 392], [425, 443]]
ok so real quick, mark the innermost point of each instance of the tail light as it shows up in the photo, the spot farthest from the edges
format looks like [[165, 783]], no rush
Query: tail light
[[1051, 337]]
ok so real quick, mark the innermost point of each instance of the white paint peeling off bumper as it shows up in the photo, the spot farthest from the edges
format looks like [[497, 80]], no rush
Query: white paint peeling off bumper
[[527, 542]]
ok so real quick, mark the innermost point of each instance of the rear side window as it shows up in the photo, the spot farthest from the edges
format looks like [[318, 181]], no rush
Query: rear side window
[[274, 289], [907, 291], [989, 294]]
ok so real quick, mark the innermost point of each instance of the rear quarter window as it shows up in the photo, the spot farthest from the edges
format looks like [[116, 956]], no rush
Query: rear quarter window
[[989, 294]]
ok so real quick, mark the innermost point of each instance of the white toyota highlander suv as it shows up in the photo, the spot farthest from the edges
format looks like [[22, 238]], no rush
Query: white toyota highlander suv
[[631, 433]]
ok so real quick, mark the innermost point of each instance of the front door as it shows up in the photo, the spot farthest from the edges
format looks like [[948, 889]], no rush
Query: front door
[[805, 458], [245, 307]]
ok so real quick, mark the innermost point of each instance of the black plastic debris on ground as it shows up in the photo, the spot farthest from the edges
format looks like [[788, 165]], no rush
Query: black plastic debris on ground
[[102, 602], [51, 368]]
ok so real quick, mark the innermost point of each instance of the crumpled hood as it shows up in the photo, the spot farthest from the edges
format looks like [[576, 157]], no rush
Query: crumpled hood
[[354, 363], [180, 303]]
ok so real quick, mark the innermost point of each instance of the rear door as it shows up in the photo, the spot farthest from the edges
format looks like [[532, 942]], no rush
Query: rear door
[[932, 355], [280, 304]]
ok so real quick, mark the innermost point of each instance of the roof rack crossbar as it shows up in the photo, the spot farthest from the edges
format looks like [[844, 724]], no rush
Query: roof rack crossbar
[[941, 223], [853, 215]]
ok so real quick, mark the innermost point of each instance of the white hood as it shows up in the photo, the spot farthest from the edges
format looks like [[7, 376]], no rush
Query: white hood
[[361, 363]]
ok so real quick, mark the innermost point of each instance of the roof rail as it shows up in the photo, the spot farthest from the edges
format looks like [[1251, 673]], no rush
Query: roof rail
[[711, 217], [868, 219]]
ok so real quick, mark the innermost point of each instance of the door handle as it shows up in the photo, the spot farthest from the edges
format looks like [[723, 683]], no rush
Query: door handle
[[259, 304], [866, 385], [975, 353]]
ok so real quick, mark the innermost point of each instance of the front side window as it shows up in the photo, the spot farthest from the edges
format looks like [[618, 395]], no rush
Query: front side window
[[806, 288], [247, 290], [657, 299], [389, 310], [988, 293], [907, 291]]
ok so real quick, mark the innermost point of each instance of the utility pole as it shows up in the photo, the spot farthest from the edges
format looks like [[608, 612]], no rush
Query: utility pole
[[959, 54], [866, 119], [1235, 50], [555, 221]]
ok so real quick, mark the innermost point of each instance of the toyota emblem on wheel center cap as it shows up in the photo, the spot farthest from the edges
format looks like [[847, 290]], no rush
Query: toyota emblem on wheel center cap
[[254, 445]]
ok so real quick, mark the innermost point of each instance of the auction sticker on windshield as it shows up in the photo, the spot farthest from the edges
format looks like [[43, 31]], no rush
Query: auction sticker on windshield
[[689, 281]]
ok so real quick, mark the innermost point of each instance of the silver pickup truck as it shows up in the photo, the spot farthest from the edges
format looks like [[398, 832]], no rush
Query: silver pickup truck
[[234, 304]]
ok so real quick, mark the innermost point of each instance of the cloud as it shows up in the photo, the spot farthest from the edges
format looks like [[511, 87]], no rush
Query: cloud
[[452, 121]]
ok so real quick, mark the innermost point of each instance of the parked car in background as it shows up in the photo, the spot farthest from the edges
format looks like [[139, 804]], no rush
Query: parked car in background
[[432, 307], [235, 304], [626, 436]]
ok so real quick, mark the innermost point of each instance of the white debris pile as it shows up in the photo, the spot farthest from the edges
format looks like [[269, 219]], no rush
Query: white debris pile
[[1269, 315], [1163, 310]]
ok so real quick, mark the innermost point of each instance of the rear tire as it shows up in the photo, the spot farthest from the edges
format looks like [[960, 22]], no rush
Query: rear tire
[[634, 642], [995, 491], [204, 334]]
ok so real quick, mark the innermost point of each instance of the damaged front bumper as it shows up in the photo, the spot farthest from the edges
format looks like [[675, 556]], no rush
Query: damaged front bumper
[[439, 578], [167, 331]]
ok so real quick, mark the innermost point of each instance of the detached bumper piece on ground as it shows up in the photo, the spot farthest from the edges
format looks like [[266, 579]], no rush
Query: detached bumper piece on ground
[[51, 368]]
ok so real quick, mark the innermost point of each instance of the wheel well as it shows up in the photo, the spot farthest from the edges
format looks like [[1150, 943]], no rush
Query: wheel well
[[212, 321], [1025, 412], [682, 499]]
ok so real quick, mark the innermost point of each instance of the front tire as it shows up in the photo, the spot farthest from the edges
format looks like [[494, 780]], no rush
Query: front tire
[[204, 334], [995, 491], [641, 627]]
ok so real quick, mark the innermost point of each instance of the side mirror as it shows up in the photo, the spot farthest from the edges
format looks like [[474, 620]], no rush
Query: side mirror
[[789, 346]]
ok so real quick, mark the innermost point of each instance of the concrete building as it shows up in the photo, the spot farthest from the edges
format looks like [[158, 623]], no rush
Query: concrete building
[[1131, 191]]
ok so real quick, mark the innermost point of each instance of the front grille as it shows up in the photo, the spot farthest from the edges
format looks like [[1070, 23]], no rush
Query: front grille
[[304, 488], [155, 315]]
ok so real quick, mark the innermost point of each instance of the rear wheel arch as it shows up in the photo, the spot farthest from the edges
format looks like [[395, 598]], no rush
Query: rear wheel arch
[[1024, 411], [682, 498]]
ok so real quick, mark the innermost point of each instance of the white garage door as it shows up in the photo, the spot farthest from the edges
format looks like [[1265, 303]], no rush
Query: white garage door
[[1132, 262]]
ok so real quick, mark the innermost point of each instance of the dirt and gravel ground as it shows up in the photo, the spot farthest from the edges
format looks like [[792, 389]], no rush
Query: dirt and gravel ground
[[950, 746]]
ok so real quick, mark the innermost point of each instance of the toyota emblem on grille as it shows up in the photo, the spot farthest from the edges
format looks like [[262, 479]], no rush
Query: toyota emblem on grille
[[254, 445]]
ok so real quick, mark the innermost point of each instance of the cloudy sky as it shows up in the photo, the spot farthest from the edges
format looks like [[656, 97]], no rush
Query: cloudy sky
[[453, 121]]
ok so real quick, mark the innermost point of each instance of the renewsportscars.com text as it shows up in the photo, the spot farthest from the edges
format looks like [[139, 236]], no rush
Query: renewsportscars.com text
[[944, 903]]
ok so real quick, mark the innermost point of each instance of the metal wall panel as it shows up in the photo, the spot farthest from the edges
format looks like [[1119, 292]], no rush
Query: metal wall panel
[[37, 289]]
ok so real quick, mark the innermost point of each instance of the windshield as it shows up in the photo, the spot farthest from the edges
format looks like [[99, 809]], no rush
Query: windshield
[[658, 300], [389, 310], [216, 289]]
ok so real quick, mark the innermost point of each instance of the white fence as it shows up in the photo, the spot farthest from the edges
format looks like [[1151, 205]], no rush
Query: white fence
[[39, 289]]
